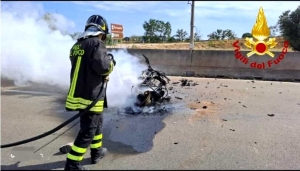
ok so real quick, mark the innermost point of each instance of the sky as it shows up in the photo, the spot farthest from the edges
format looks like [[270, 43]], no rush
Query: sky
[[209, 15]]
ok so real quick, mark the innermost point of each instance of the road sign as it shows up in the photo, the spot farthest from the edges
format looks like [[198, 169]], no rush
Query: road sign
[[117, 35], [116, 28], [117, 31]]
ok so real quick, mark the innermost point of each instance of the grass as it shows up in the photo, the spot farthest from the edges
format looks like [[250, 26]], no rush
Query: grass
[[201, 45]]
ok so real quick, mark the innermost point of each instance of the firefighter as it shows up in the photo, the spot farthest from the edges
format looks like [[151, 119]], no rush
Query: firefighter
[[91, 66]]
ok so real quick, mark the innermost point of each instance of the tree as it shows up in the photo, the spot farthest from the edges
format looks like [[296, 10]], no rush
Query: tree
[[150, 27], [167, 29], [171, 39], [228, 34], [108, 40], [274, 30], [135, 38], [197, 36], [127, 39], [156, 29], [216, 35], [289, 26], [246, 35], [221, 35], [181, 34]]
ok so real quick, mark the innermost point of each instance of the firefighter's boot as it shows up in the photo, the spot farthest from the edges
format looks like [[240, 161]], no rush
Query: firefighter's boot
[[66, 148], [97, 154], [70, 165]]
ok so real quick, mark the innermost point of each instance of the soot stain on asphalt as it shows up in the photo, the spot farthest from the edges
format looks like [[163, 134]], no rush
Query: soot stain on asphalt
[[131, 134]]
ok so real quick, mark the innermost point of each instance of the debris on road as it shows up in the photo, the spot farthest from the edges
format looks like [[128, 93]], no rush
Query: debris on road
[[244, 106], [232, 129], [178, 97], [271, 115], [223, 85], [147, 110], [185, 82]]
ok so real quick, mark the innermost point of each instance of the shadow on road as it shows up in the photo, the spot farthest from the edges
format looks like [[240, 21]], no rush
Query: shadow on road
[[126, 134]]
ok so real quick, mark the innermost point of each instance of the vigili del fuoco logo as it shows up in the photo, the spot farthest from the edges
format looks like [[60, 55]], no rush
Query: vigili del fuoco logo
[[260, 32]]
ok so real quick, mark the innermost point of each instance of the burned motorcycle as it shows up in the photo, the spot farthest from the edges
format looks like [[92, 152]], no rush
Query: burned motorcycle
[[157, 82], [154, 86]]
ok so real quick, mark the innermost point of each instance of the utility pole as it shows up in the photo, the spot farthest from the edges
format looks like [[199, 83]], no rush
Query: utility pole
[[192, 26]]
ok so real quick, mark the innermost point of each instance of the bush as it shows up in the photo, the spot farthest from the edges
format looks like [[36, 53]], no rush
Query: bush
[[247, 35]]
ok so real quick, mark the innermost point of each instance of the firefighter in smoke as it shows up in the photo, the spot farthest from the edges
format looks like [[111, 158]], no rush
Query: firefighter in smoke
[[91, 66]]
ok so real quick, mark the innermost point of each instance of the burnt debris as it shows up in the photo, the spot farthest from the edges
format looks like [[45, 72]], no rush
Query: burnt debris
[[153, 92], [223, 85], [185, 82], [180, 98]]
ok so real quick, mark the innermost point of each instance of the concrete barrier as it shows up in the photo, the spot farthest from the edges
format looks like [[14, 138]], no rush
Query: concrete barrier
[[212, 63]]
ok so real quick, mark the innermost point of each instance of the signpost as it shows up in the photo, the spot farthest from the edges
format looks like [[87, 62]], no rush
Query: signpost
[[117, 32], [117, 35]]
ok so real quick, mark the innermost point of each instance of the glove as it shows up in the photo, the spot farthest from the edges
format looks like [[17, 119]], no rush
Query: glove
[[111, 57], [106, 78]]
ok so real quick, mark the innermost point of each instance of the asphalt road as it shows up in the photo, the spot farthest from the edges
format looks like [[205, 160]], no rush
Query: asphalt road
[[218, 124]]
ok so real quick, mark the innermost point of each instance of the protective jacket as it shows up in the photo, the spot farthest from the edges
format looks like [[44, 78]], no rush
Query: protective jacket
[[90, 65]]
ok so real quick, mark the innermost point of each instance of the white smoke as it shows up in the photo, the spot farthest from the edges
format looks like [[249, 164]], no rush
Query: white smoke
[[124, 76], [32, 52]]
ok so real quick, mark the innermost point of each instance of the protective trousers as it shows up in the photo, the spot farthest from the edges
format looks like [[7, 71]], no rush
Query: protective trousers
[[90, 134]]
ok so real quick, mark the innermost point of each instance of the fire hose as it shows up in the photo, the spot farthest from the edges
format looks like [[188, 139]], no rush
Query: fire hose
[[61, 125]]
